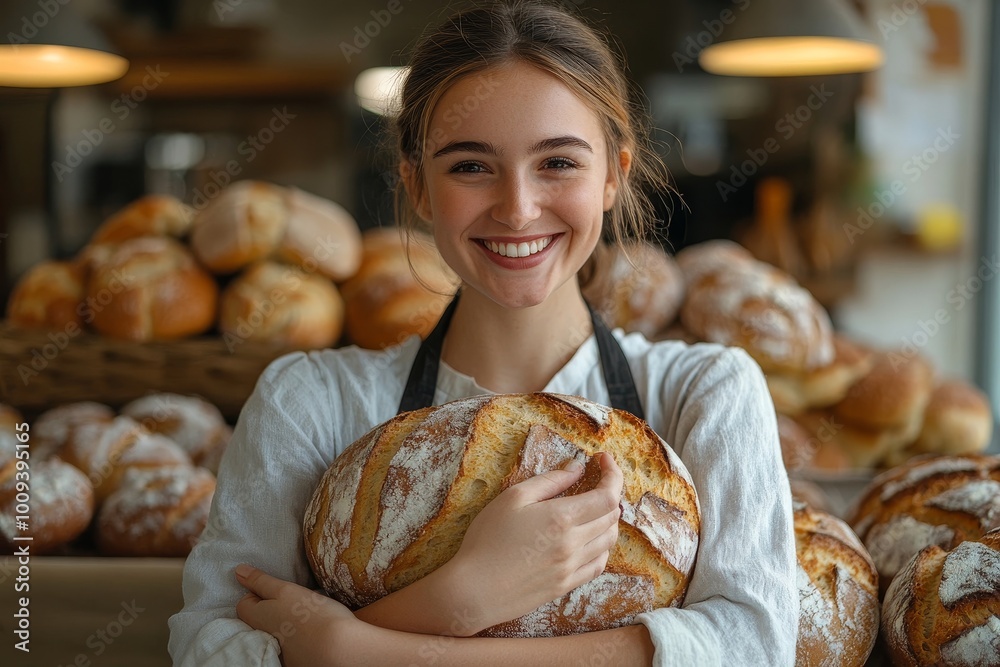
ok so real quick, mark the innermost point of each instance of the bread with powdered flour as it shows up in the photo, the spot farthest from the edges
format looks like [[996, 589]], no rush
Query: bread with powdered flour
[[943, 608], [156, 512], [929, 501], [52, 429], [194, 424], [838, 592], [48, 296], [396, 504]]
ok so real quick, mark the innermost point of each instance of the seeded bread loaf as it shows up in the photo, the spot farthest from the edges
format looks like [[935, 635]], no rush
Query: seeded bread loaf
[[396, 504], [943, 608]]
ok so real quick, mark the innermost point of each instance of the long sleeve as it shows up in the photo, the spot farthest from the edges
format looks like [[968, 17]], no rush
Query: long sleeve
[[266, 477], [741, 606]]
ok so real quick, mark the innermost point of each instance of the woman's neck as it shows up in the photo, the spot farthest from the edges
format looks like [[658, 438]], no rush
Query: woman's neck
[[515, 351]]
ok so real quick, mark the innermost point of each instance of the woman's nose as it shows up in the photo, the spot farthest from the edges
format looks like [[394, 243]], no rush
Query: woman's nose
[[517, 205]]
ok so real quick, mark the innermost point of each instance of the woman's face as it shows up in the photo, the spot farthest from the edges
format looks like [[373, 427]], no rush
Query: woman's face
[[516, 182]]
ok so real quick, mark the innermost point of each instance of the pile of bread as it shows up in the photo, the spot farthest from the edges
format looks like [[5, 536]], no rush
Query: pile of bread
[[138, 483], [844, 405], [259, 262]]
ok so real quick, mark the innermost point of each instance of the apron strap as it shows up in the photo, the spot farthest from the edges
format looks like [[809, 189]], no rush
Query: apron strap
[[422, 382]]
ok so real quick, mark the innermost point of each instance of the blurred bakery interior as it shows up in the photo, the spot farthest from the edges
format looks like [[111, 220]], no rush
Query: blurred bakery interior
[[865, 182]]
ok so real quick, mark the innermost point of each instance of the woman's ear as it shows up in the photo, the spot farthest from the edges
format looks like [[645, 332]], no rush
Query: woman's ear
[[415, 190], [611, 185]]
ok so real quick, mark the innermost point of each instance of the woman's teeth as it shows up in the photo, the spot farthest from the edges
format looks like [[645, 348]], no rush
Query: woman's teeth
[[518, 249]]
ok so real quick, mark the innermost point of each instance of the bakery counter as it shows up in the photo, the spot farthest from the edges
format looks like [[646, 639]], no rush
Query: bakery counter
[[90, 612]]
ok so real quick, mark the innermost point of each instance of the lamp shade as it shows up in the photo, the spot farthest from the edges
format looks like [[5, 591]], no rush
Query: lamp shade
[[793, 38], [47, 45]]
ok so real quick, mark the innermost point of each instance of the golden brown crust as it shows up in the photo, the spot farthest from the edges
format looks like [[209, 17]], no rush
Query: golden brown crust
[[53, 428], [61, 506], [957, 420], [797, 446], [242, 225], [48, 296], [152, 288], [892, 394], [794, 393], [320, 236], [152, 215], [396, 504]]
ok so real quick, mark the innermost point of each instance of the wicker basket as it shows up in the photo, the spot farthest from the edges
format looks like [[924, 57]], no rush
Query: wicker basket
[[41, 369]]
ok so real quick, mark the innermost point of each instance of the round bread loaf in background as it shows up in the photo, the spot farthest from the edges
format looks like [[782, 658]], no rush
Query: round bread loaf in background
[[242, 225], [151, 288], [844, 446], [320, 236], [940, 501], [396, 504], [957, 420], [797, 446], [49, 296], [794, 393], [282, 304], [637, 288], [712, 256], [194, 424], [152, 215], [893, 394], [53, 428], [156, 512], [60, 505], [943, 608], [838, 592], [755, 306]]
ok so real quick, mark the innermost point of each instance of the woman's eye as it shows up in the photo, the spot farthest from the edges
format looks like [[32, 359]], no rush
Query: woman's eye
[[559, 163], [468, 168]]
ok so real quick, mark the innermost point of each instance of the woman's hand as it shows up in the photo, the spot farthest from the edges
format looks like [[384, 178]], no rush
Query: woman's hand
[[306, 624], [526, 548]]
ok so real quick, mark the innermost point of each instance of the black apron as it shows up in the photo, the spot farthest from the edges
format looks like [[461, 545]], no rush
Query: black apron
[[420, 386]]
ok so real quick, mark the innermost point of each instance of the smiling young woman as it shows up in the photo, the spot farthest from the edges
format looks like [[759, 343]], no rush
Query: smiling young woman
[[518, 147]]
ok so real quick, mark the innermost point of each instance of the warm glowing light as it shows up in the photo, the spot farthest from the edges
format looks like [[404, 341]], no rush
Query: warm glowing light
[[49, 66], [790, 56], [380, 89]]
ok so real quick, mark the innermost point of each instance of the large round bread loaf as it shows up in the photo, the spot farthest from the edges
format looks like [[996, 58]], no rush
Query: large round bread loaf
[[943, 608], [396, 504]]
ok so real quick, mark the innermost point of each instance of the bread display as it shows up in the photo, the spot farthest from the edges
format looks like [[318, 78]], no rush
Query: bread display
[[60, 502], [841, 445], [708, 257], [752, 305], [893, 394], [637, 288], [957, 420], [797, 446], [282, 304], [396, 504], [104, 451], [156, 512], [943, 608], [52, 429], [48, 296], [195, 425], [940, 501], [838, 592], [401, 289], [794, 393], [242, 225], [152, 215], [810, 493], [151, 288], [320, 235]]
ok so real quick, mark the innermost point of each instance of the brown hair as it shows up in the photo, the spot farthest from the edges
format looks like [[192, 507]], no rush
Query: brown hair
[[548, 37]]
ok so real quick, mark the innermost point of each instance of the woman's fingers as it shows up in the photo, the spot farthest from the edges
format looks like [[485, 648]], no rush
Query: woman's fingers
[[599, 501], [259, 582]]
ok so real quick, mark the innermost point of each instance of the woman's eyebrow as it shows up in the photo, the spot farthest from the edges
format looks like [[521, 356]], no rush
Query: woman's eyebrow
[[560, 142], [468, 147], [487, 148]]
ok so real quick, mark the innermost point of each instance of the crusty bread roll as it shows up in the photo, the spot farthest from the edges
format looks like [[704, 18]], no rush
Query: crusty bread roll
[[638, 288], [152, 215], [957, 420], [892, 394], [53, 428], [838, 592], [811, 494], [60, 505], [763, 310], [282, 304], [152, 288], [105, 451], [797, 446], [48, 296], [156, 512], [943, 608], [242, 225], [396, 504], [928, 501], [320, 236], [859, 448], [708, 257], [794, 393], [401, 288], [194, 424]]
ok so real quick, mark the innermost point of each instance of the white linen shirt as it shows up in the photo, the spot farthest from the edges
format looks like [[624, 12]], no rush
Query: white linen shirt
[[708, 402]]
